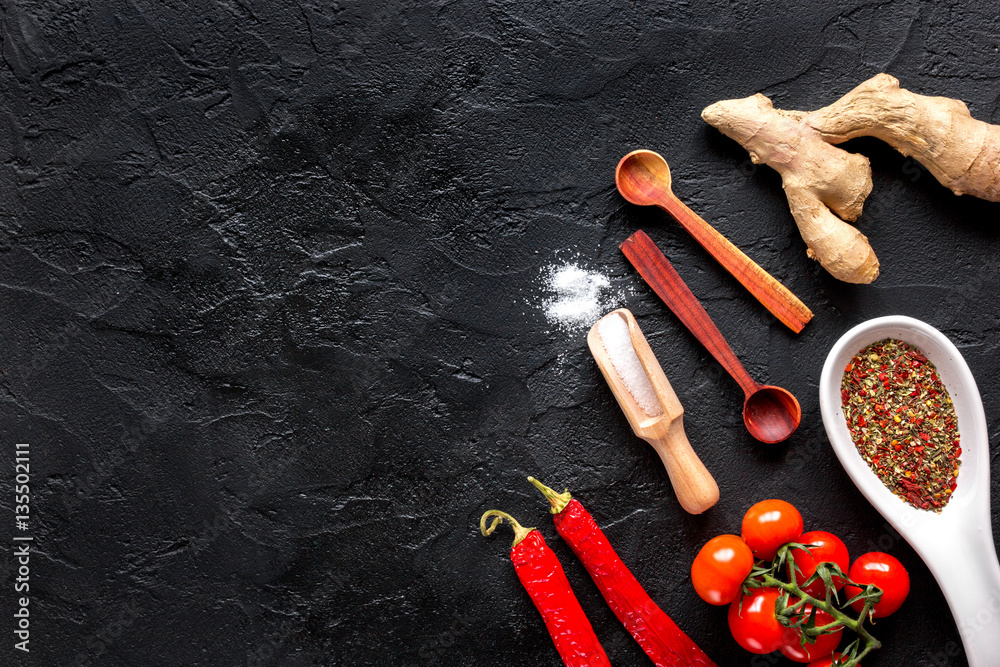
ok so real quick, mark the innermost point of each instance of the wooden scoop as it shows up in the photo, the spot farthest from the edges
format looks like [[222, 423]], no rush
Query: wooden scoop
[[695, 488]]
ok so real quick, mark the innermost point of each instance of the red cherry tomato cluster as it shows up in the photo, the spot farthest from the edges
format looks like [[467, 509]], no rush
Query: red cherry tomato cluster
[[725, 563]]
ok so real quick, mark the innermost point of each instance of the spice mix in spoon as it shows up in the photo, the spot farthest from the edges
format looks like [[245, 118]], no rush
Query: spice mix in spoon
[[903, 423]]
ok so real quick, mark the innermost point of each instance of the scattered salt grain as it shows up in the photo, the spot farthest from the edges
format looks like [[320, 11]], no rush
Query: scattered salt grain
[[578, 296], [615, 337]]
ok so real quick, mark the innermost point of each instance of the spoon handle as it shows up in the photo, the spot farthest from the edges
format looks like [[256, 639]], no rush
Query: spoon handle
[[964, 562], [660, 274], [762, 285]]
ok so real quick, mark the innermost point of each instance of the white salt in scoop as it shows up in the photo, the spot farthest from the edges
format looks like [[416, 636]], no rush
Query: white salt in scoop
[[651, 406], [617, 342]]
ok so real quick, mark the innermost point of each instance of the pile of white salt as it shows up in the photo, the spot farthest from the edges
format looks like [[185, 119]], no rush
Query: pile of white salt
[[578, 297]]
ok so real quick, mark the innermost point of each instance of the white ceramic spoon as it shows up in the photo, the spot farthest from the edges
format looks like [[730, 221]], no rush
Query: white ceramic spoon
[[957, 544]]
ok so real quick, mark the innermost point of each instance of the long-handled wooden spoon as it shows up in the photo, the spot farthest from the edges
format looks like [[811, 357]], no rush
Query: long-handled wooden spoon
[[664, 428], [771, 414], [643, 178]]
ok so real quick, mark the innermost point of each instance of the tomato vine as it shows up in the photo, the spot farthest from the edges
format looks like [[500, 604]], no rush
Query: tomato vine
[[791, 604]]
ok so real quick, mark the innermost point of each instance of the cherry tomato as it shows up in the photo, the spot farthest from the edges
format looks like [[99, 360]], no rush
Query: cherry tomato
[[823, 646], [754, 626], [885, 572], [719, 569], [828, 549], [827, 661], [770, 524]]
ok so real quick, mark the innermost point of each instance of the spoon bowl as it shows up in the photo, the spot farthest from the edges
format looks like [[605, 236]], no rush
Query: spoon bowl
[[771, 414], [643, 178], [957, 544]]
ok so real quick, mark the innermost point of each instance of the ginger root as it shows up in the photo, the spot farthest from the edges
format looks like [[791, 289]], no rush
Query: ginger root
[[938, 132], [823, 182]]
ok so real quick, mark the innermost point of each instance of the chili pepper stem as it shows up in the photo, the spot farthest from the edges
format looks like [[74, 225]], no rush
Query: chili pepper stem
[[558, 500], [520, 532]]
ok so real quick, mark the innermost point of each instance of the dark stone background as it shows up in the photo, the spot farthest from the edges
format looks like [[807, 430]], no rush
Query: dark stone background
[[272, 277]]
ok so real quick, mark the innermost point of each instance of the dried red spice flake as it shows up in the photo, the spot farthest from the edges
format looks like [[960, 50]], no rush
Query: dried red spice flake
[[903, 423]]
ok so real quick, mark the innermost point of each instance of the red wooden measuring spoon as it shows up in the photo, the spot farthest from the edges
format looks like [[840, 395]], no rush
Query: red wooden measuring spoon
[[771, 414], [643, 178]]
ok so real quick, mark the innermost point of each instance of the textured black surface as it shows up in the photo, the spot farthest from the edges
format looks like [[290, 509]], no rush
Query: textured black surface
[[272, 277]]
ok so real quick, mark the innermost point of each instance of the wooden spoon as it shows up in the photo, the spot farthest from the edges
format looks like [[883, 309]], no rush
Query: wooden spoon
[[771, 414], [695, 488], [643, 178]]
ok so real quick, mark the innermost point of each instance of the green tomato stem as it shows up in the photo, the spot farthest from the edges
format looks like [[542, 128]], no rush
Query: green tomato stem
[[867, 649], [840, 618]]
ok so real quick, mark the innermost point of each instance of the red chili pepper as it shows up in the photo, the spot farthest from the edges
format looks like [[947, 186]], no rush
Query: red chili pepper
[[543, 577], [657, 634]]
